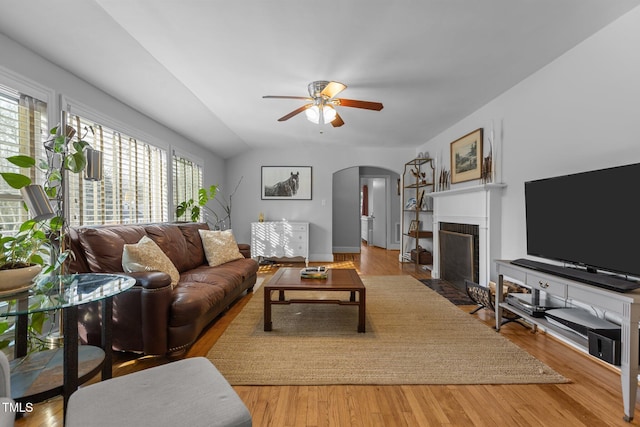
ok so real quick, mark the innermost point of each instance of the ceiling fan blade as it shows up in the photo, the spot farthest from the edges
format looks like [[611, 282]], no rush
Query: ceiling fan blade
[[367, 105], [337, 122], [306, 98], [294, 112], [332, 89]]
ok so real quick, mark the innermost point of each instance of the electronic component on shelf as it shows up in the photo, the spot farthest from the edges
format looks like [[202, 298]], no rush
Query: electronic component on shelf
[[530, 304], [578, 320]]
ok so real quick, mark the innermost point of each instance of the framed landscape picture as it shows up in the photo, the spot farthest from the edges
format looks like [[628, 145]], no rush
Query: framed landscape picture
[[466, 157], [286, 183]]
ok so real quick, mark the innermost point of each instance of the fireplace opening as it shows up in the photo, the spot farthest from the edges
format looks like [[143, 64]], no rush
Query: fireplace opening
[[459, 253]]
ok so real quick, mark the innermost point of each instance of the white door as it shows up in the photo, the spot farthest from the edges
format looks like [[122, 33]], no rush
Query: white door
[[379, 212]]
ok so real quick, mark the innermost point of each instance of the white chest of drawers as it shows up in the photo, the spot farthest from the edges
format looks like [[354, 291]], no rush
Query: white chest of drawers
[[280, 239]]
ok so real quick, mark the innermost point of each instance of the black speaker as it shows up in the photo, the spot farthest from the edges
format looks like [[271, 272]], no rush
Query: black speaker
[[605, 344]]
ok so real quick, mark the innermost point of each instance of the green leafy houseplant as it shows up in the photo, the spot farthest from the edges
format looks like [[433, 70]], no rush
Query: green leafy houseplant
[[194, 208], [39, 242], [29, 246], [37, 238]]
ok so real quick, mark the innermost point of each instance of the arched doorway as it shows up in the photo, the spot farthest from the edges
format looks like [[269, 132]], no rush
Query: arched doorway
[[383, 209]]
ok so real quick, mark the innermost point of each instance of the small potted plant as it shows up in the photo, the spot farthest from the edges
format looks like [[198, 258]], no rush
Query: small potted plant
[[22, 254]]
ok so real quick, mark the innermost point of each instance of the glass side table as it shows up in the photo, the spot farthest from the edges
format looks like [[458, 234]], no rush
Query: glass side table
[[36, 377]]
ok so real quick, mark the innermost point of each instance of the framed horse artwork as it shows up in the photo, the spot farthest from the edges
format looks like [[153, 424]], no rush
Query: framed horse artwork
[[286, 182]]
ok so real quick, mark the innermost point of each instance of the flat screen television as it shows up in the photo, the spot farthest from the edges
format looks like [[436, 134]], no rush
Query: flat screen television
[[588, 219]]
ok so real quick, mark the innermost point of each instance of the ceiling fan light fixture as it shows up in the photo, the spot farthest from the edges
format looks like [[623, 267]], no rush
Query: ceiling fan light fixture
[[313, 114], [329, 113]]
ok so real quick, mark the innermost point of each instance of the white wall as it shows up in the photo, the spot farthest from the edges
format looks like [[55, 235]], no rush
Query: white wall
[[579, 113], [318, 211], [345, 229], [18, 61]]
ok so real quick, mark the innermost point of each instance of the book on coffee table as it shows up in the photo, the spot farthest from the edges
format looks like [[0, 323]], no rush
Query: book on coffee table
[[314, 273]]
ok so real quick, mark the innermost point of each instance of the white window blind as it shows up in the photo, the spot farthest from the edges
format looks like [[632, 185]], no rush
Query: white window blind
[[187, 180], [23, 129], [134, 186]]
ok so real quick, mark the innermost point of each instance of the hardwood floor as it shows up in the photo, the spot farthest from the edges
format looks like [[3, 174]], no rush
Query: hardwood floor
[[593, 398]]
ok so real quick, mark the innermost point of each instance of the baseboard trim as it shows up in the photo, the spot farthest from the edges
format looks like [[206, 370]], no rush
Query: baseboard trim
[[321, 257], [346, 249]]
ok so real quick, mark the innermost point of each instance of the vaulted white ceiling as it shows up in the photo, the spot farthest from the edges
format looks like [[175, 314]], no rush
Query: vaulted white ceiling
[[201, 67]]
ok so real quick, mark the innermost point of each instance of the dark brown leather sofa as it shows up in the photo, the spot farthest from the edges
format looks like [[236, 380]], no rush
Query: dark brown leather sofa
[[152, 318]]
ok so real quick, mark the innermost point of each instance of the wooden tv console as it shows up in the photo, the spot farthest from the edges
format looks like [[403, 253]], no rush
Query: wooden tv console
[[626, 305]]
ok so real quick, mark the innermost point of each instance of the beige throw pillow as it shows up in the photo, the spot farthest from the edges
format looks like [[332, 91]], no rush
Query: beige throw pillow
[[146, 255], [219, 246]]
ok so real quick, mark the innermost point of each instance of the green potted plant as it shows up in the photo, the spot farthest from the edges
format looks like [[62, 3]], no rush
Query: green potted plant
[[193, 208], [23, 254], [36, 246]]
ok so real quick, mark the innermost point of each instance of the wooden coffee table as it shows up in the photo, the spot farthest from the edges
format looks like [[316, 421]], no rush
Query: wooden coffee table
[[288, 279]]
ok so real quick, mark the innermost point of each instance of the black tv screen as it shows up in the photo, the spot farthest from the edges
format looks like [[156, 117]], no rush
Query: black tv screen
[[589, 219]]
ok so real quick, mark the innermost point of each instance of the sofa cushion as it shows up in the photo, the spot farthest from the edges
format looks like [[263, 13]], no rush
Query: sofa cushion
[[229, 276], [146, 255], [193, 300], [219, 247], [195, 250], [171, 240], [103, 246]]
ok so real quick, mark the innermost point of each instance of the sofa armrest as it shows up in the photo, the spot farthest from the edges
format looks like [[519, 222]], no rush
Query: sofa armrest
[[141, 315], [245, 249], [155, 301], [150, 279]]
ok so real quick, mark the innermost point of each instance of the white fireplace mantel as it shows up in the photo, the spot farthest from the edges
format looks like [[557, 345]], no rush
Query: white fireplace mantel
[[477, 205]]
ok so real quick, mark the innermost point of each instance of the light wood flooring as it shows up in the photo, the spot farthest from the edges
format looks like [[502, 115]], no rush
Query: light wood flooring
[[593, 398]]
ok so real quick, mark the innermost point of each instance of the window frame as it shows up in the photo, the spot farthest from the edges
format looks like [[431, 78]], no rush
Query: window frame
[[27, 87], [174, 197], [121, 144]]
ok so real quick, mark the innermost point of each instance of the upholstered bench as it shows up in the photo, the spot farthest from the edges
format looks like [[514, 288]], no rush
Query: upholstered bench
[[189, 392]]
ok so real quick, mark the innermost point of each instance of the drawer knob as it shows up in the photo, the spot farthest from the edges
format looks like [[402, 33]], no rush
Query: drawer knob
[[543, 285]]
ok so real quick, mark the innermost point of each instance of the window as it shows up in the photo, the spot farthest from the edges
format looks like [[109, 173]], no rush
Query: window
[[134, 185], [187, 180], [23, 129]]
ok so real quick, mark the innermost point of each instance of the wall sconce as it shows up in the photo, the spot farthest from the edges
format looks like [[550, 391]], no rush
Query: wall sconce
[[93, 169], [37, 202]]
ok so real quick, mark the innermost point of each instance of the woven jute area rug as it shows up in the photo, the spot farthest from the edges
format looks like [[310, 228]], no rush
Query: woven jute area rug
[[414, 336]]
